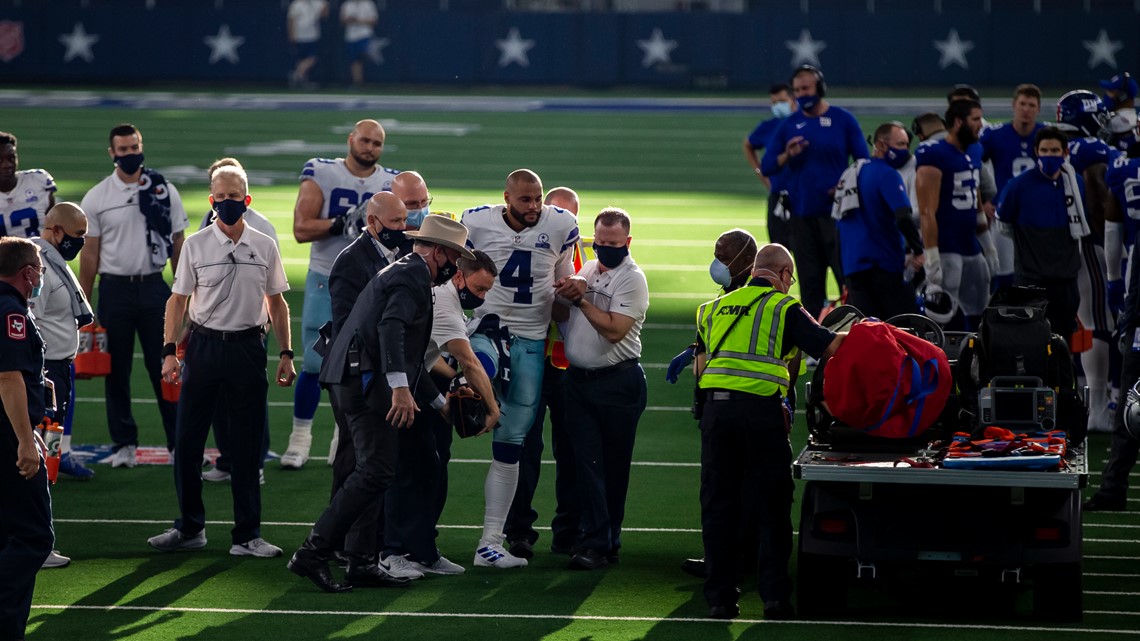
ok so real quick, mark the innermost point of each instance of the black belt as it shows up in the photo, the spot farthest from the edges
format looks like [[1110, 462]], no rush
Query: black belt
[[239, 335], [733, 395], [588, 374], [136, 278]]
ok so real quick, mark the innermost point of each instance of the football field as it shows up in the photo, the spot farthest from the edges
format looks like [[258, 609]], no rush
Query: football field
[[680, 175]]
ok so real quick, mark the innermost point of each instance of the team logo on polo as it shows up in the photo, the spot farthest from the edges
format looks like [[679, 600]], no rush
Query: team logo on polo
[[17, 327], [543, 242], [11, 40]]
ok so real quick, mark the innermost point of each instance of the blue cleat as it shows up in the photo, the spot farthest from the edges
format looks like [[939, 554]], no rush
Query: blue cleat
[[71, 466]]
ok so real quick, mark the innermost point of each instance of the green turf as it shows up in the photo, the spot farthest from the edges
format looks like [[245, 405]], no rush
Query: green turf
[[682, 178]]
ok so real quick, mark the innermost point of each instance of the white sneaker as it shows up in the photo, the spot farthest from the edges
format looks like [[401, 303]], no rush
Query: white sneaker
[[297, 454], [125, 456], [333, 444], [441, 566], [494, 555], [215, 475], [56, 560], [173, 540], [258, 547], [400, 567]]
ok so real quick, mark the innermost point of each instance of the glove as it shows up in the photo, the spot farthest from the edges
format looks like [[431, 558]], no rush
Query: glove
[[1116, 295], [933, 266], [466, 410], [354, 220], [679, 363]]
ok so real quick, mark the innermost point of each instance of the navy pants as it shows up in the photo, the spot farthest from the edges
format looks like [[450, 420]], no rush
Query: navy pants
[[607, 409], [880, 293], [746, 457], [221, 376], [26, 535], [1125, 448], [60, 373], [815, 248], [128, 308], [522, 516]]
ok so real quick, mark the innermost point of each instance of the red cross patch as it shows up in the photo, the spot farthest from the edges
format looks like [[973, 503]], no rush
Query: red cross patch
[[17, 327]]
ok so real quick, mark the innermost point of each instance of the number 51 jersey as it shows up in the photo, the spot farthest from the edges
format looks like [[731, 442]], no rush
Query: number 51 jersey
[[529, 262]]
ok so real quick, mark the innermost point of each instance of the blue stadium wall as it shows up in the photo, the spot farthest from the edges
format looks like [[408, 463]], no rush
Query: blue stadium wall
[[899, 43]]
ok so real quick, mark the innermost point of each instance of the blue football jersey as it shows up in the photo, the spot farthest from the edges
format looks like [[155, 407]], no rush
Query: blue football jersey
[[1123, 178], [957, 198], [1086, 152], [1010, 152]]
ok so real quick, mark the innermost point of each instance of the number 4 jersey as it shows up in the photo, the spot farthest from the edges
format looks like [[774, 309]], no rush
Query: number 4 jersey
[[342, 191], [528, 261], [957, 197], [23, 209]]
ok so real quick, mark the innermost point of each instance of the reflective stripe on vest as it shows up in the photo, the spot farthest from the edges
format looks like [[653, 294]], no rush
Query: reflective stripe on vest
[[748, 359]]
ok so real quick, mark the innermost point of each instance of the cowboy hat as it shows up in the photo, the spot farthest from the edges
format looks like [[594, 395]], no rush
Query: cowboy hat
[[445, 232]]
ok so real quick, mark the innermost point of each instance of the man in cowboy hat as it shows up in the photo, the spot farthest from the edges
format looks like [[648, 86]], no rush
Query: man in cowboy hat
[[375, 370]]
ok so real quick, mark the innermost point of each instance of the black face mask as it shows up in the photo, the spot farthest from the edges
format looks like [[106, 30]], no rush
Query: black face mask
[[445, 272], [468, 300], [610, 257], [129, 163], [391, 238], [70, 245], [229, 211]]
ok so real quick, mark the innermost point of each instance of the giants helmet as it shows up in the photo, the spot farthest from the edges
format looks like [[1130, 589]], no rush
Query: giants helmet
[[1081, 111]]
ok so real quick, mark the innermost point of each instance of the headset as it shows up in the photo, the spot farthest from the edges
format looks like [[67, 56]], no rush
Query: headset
[[820, 83]]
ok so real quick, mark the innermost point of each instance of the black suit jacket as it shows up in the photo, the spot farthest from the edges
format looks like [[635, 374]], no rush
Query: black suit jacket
[[390, 324], [354, 266]]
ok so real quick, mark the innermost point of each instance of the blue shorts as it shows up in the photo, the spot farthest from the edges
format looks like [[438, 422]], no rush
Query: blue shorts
[[520, 404], [306, 50], [316, 311], [358, 49]]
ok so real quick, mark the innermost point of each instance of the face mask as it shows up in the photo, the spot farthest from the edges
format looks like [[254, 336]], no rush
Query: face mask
[[129, 163], [1050, 165], [391, 238], [229, 211], [416, 216], [610, 257], [70, 245], [720, 274], [468, 300], [896, 157], [36, 289], [807, 103], [444, 272], [781, 109]]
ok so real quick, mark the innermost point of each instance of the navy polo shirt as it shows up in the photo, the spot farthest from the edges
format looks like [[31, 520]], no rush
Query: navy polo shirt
[[1035, 206], [869, 236]]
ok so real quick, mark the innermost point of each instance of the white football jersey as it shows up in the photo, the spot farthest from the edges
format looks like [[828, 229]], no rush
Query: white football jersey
[[528, 261], [23, 209], [342, 192]]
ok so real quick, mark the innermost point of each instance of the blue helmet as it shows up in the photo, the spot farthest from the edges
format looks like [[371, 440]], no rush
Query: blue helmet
[[1081, 111]]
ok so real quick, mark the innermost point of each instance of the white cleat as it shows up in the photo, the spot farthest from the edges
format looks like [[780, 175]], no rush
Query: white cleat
[[125, 456], [493, 555], [297, 454]]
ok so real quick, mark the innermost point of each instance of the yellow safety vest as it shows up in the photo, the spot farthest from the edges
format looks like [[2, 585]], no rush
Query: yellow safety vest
[[747, 360]]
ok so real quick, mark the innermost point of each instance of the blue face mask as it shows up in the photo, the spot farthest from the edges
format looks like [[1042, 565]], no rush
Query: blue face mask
[[896, 157], [720, 274], [416, 216], [610, 257], [129, 163], [1050, 165], [807, 103], [781, 109], [229, 211]]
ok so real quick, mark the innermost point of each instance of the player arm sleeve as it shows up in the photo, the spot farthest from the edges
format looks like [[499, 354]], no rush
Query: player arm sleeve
[[987, 185]]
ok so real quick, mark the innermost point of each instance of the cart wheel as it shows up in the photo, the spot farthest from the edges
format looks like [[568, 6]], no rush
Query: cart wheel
[[821, 585], [1057, 592]]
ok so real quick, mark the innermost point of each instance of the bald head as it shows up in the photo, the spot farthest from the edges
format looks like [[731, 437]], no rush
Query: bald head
[[67, 215], [563, 198], [522, 177], [63, 221], [368, 127], [410, 188], [774, 257], [365, 144], [523, 196], [385, 210]]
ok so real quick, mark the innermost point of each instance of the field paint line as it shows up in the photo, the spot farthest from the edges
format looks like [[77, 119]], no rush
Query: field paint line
[[1112, 541], [1109, 593], [1113, 613], [1106, 557], [577, 617], [671, 326], [1121, 575], [1114, 525], [550, 462]]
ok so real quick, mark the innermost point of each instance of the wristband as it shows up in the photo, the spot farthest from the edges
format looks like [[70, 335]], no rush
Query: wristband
[[337, 226], [169, 349], [759, 172], [286, 352]]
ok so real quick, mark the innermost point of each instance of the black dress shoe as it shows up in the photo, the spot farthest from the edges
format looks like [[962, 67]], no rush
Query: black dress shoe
[[558, 548], [341, 559], [314, 567], [724, 611], [779, 611], [694, 567], [1101, 503], [523, 549], [588, 560], [372, 576], [613, 558]]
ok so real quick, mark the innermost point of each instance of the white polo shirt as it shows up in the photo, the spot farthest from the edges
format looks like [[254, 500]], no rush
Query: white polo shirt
[[306, 17], [622, 290], [360, 10], [448, 321], [114, 217], [53, 312], [227, 283]]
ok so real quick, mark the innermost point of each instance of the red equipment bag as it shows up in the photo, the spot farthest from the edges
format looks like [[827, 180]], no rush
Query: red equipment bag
[[886, 381]]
